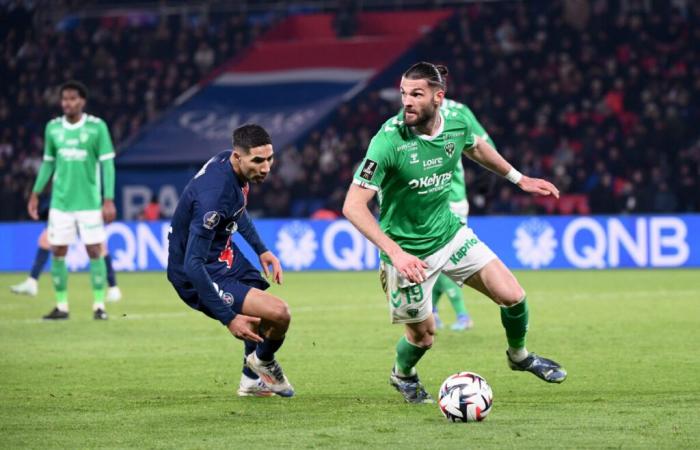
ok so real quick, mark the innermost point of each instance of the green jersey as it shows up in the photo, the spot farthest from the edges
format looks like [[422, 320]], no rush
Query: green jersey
[[77, 149], [413, 175], [458, 192]]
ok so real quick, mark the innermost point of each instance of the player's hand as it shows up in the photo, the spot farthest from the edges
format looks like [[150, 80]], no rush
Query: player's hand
[[409, 266], [33, 206], [538, 186], [268, 259], [109, 212], [245, 328]]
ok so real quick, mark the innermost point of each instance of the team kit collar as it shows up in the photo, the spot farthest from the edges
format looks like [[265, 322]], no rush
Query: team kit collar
[[76, 125]]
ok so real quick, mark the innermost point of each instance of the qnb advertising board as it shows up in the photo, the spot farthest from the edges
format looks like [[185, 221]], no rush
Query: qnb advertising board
[[521, 242]]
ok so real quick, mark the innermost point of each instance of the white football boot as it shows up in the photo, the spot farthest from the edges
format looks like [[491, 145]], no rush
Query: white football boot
[[114, 294], [27, 287], [252, 387], [271, 373]]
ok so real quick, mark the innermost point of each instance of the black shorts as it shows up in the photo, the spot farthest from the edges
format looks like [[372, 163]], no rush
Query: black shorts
[[233, 286]]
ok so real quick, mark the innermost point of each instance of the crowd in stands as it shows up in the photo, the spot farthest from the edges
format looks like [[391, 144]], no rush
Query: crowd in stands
[[134, 67], [601, 97]]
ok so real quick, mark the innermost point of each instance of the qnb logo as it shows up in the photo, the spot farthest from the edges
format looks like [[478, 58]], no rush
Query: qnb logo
[[535, 243], [435, 179], [297, 245], [626, 242]]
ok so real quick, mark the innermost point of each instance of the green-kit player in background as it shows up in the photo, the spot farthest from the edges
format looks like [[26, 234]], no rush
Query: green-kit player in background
[[76, 147], [410, 163], [460, 207]]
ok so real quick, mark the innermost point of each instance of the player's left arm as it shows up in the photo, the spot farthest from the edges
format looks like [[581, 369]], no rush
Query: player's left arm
[[267, 258], [106, 155], [483, 153]]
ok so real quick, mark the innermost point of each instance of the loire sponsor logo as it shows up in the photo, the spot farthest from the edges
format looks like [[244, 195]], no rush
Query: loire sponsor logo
[[535, 243], [434, 162]]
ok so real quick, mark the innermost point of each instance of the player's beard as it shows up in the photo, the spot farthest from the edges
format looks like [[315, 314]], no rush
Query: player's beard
[[423, 117]]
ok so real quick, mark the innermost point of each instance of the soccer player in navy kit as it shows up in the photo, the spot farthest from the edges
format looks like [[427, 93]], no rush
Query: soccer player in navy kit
[[209, 272]]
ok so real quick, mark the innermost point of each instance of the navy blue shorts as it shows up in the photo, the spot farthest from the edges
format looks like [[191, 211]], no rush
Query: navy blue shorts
[[233, 286]]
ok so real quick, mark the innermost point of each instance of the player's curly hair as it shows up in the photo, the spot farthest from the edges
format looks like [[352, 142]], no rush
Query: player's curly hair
[[250, 136], [76, 86], [434, 74]]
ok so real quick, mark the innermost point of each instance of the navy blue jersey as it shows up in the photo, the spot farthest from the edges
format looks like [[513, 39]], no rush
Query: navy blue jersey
[[210, 210]]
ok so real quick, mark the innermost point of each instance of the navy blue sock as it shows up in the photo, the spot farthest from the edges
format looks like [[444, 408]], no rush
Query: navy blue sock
[[111, 277], [42, 255], [267, 348], [249, 347]]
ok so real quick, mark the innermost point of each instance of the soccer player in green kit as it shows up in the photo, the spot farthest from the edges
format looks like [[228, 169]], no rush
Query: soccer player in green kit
[[76, 147], [409, 164]]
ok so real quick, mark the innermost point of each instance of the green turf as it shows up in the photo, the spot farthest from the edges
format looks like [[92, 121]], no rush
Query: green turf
[[159, 375]]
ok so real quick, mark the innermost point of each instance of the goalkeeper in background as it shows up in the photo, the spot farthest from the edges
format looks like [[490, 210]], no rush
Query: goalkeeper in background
[[76, 146]]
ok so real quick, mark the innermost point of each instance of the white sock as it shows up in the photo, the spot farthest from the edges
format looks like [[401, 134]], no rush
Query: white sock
[[404, 375], [31, 281], [96, 306], [517, 354], [63, 307]]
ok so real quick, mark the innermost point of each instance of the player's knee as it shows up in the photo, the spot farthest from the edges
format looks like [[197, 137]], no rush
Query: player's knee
[[59, 251], [281, 314], [424, 338], [426, 341], [513, 296], [94, 251]]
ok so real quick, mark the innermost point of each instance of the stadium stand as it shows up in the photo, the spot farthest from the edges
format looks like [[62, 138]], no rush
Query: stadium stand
[[598, 96], [135, 65]]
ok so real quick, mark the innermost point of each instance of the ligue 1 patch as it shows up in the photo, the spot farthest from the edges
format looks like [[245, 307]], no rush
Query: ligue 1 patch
[[211, 219], [450, 148], [227, 297], [368, 169], [232, 227]]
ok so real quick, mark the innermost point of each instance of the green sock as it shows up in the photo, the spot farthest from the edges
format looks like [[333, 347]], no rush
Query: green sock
[[407, 356], [59, 277], [514, 320], [98, 276]]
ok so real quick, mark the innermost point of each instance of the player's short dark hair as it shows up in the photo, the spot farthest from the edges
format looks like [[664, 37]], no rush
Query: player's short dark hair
[[434, 74], [76, 86], [250, 136]]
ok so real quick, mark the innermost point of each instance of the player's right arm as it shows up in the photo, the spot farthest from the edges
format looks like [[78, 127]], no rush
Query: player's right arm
[[366, 183], [201, 235], [45, 171]]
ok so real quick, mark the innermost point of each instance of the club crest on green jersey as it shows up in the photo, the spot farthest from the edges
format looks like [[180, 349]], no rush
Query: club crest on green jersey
[[450, 149]]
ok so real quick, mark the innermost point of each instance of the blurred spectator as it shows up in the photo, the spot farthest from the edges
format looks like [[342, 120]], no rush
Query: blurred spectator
[[598, 96], [151, 211], [134, 70], [345, 20]]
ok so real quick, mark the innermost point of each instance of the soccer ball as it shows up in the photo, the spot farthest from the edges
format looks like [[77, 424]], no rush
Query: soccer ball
[[465, 397]]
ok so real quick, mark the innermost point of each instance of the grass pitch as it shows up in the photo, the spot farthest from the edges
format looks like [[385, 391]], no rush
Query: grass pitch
[[159, 375]]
